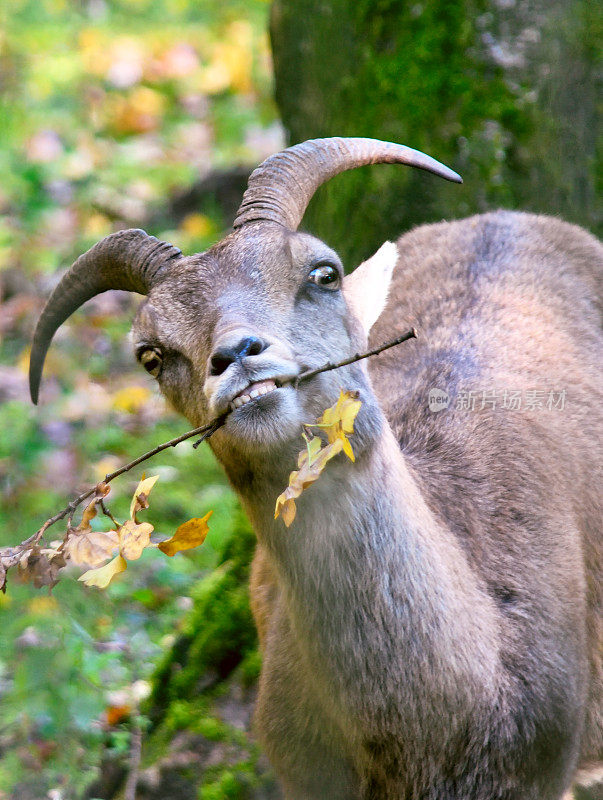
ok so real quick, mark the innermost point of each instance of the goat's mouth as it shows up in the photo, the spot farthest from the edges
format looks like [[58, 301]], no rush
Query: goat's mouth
[[252, 392]]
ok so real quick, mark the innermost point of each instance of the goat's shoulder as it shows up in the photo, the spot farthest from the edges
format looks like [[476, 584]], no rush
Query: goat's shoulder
[[465, 257], [503, 302]]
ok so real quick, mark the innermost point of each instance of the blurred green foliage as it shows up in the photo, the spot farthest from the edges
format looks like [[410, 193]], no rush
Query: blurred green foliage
[[107, 109]]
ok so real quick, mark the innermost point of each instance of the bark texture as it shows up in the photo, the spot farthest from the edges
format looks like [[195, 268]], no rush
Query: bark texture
[[503, 91]]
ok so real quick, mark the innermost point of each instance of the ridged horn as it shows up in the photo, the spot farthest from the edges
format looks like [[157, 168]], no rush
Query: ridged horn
[[129, 260], [280, 189]]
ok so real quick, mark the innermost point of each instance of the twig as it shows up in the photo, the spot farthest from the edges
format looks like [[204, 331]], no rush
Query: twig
[[10, 556], [411, 334], [107, 513], [134, 762], [10, 559]]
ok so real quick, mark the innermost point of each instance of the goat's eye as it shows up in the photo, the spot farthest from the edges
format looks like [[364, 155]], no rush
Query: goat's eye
[[152, 360], [325, 276]]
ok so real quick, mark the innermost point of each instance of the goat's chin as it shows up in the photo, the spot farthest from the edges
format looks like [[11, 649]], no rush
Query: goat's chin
[[265, 423]]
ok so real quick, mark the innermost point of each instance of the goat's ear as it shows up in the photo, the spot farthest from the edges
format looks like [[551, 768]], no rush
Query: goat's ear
[[367, 287]]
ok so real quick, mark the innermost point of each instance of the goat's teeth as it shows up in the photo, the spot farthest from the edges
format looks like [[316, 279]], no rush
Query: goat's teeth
[[242, 399]]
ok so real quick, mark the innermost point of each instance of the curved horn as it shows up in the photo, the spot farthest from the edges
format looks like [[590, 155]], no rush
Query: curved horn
[[282, 186], [129, 260]]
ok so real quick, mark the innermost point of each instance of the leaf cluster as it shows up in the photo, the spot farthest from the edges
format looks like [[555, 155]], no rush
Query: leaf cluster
[[83, 546], [337, 423]]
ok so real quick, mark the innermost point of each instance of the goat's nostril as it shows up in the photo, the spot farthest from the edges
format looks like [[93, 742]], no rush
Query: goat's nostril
[[225, 356], [220, 362], [254, 346]]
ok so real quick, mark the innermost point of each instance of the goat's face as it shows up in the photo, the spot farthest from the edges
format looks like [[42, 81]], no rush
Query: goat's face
[[222, 327]]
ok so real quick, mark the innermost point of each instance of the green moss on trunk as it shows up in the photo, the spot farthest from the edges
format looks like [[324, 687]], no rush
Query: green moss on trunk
[[505, 93]]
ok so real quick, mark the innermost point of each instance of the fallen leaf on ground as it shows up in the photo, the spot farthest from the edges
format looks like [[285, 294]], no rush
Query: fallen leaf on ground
[[117, 714], [131, 399]]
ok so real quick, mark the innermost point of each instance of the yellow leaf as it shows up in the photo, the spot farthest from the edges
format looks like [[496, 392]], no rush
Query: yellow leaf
[[102, 576], [343, 412], [131, 399], [338, 420], [196, 225], [285, 507], [85, 546], [189, 534], [23, 360], [139, 112], [133, 538], [347, 448], [313, 446], [43, 605], [106, 465], [99, 225], [140, 496], [311, 463]]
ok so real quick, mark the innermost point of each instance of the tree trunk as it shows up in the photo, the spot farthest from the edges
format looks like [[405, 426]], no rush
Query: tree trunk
[[503, 91]]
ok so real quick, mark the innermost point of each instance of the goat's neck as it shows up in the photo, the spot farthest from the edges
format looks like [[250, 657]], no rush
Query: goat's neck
[[370, 577]]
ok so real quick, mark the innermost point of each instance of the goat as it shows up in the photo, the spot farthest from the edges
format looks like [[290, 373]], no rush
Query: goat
[[431, 622]]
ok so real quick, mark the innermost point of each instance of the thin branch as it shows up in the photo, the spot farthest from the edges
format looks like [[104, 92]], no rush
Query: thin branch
[[134, 762], [10, 556], [107, 513], [411, 334]]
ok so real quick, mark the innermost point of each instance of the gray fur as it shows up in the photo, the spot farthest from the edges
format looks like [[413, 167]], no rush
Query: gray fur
[[431, 622]]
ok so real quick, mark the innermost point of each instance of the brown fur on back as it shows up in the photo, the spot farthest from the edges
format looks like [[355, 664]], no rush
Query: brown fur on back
[[507, 301]]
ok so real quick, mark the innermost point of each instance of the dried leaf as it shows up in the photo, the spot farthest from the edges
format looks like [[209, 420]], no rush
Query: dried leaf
[[91, 548], [285, 508], [133, 538], [116, 714], [188, 535], [101, 490], [337, 422], [42, 571], [102, 576], [311, 464], [89, 514], [141, 495]]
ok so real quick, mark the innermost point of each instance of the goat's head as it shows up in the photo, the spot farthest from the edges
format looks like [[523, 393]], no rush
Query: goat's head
[[219, 328]]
